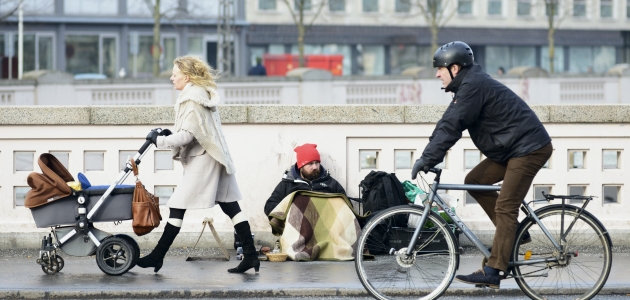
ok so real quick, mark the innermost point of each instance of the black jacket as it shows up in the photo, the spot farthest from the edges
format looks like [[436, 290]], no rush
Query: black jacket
[[499, 122], [292, 181]]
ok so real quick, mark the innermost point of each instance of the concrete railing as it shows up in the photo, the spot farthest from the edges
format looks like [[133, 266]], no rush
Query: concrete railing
[[54, 89], [261, 139]]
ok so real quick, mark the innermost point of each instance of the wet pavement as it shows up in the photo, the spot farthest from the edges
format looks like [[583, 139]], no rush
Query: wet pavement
[[21, 277]]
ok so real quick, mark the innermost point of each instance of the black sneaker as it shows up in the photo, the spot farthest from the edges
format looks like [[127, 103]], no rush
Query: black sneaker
[[479, 278], [525, 239]]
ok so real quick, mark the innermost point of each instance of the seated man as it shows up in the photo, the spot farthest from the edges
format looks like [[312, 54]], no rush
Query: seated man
[[307, 174]]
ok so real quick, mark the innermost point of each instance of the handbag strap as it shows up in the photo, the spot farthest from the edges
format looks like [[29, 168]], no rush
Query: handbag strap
[[134, 167]]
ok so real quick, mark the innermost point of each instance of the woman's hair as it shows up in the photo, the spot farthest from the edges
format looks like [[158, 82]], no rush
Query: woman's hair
[[198, 70]]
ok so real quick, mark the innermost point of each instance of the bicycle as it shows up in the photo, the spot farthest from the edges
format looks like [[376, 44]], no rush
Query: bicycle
[[569, 253]]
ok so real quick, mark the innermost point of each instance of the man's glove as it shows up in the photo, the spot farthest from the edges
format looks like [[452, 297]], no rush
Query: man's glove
[[152, 136], [165, 132], [420, 165]]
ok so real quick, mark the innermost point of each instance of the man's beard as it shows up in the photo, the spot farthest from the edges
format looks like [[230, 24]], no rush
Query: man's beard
[[310, 176]]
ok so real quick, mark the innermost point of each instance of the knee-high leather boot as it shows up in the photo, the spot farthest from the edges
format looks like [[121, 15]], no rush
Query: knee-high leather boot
[[250, 256], [156, 258]]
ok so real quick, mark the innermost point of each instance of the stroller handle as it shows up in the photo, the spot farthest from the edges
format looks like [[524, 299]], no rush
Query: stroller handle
[[144, 147]]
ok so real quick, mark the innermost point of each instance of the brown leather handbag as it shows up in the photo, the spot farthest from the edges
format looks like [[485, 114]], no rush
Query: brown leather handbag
[[145, 207]]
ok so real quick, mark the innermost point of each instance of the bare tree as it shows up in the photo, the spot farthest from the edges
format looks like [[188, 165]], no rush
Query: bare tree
[[554, 18], [154, 8], [13, 8], [436, 13], [298, 18]]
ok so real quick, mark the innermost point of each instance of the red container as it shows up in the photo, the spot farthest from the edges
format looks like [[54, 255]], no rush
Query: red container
[[280, 64], [336, 65]]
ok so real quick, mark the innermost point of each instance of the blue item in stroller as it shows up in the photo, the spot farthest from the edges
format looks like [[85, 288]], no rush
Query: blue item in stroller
[[71, 215]]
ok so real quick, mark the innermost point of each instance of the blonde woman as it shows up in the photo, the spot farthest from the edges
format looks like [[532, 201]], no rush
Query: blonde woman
[[198, 143]]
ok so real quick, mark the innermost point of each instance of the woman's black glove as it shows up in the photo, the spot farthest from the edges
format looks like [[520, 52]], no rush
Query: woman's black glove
[[165, 132], [152, 136], [420, 165]]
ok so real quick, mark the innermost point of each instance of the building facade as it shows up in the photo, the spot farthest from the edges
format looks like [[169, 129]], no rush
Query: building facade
[[386, 36]]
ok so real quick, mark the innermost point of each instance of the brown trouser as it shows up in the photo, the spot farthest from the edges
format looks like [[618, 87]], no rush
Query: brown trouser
[[502, 208]]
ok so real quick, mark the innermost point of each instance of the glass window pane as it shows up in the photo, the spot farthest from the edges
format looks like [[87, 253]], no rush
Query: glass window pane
[[558, 58], [404, 159], [197, 8], [170, 52], [304, 4], [45, 45], [82, 54], [610, 159], [23, 161], [470, 199], [402, 57], [523, 8], [403, 6], [337, 5], [579, 190], [611, 193], [471, 158], [539, 189], [605, 9], [29, 51], [523, 56], [425, 56], [276, 49], [368, 159], [549, 6], [195, 45], [464, 7], [577, 159], [604, 57], [63, 157], [109, 57], [163, 160], [164, 192], [547, 164], [442, 165], [91, 7], [94, 161], [267, 4], [19, 193], [370, 5], [580, 59], [340, 50], [140, 59], [138, 8], [500, 58], [579, 8], [495, 8], [372, 60], [123, 158]]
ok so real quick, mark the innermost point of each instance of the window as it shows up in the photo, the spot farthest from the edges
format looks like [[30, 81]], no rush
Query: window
[[370, 5], [337, 5], [402, 57], [164, 192], [558, 58], [140, 58], [403, 6], [91, 54], [579, 190], [195, 45], [38, 52], [523, 56], [267, 4], [197, 8], [547, 164], [495, 7], [464, 7], [30, 7], [368, 159], [577, 159], [168, 7], [93, 7], [63, 157], [19, 194], [404, 159], [23, 161], [549, 5], [442, 165], [610, 159], [163, 160], [124, 157], [306, 5], [539, 189], [606, 9], [471, 158], [93, 160], [579, 8], [610, 194], [372, 59], [523, 8], [628, 10], [470, 199]]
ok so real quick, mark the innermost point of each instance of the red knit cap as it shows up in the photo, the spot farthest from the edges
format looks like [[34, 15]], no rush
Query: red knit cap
[[306, 154]]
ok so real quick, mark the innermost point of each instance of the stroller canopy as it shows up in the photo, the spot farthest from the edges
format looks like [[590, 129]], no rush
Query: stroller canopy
[[49, 186]]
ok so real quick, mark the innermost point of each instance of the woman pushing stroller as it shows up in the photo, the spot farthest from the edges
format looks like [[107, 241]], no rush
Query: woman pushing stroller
[[198, 143]]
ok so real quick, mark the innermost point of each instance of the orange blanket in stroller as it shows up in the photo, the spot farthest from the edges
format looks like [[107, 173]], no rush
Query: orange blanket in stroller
[[49, 186]]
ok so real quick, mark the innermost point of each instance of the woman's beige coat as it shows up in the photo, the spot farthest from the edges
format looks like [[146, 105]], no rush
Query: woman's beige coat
[[198, 143]]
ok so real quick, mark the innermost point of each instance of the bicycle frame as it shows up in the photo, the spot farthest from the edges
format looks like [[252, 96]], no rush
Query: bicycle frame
[[434, 198]]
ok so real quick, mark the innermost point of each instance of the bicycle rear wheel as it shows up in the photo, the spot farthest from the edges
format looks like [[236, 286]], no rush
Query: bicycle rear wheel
[[583, 266], [387, 273]]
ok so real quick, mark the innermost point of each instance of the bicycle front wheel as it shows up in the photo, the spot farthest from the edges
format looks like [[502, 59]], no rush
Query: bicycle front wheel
[[387, 272], [580, 269]]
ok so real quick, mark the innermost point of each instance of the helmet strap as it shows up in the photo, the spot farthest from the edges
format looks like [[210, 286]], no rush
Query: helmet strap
[[449, 72]]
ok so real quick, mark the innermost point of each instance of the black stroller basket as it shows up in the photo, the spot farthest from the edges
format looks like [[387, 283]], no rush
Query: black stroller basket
[[72, 220]]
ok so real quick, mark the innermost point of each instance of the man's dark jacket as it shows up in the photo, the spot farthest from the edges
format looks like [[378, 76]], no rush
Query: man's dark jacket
[[292, 181], [499, 122], [257, 70]]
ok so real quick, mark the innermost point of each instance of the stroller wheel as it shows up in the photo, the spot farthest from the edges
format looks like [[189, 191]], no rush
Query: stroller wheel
[[60, 263], [51, 268], [134, 244], [115, 256]]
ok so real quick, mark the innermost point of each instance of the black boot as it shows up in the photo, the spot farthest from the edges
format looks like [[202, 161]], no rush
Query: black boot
[[156, 258], [250, 256]]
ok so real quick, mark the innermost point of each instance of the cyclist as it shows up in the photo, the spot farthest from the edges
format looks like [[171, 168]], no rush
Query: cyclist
[[505, 130]]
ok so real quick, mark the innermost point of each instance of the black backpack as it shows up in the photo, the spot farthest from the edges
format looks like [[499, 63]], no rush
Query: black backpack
[[381, 190]]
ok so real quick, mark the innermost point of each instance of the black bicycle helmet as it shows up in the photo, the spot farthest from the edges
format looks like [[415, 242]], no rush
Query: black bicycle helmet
[[453, 53]]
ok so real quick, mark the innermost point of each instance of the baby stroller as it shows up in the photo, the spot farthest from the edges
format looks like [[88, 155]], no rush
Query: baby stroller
[[71, 214]]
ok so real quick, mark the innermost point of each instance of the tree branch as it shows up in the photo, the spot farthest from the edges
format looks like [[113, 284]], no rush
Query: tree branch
[[291, 11], [11, 12], [319, 11]]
